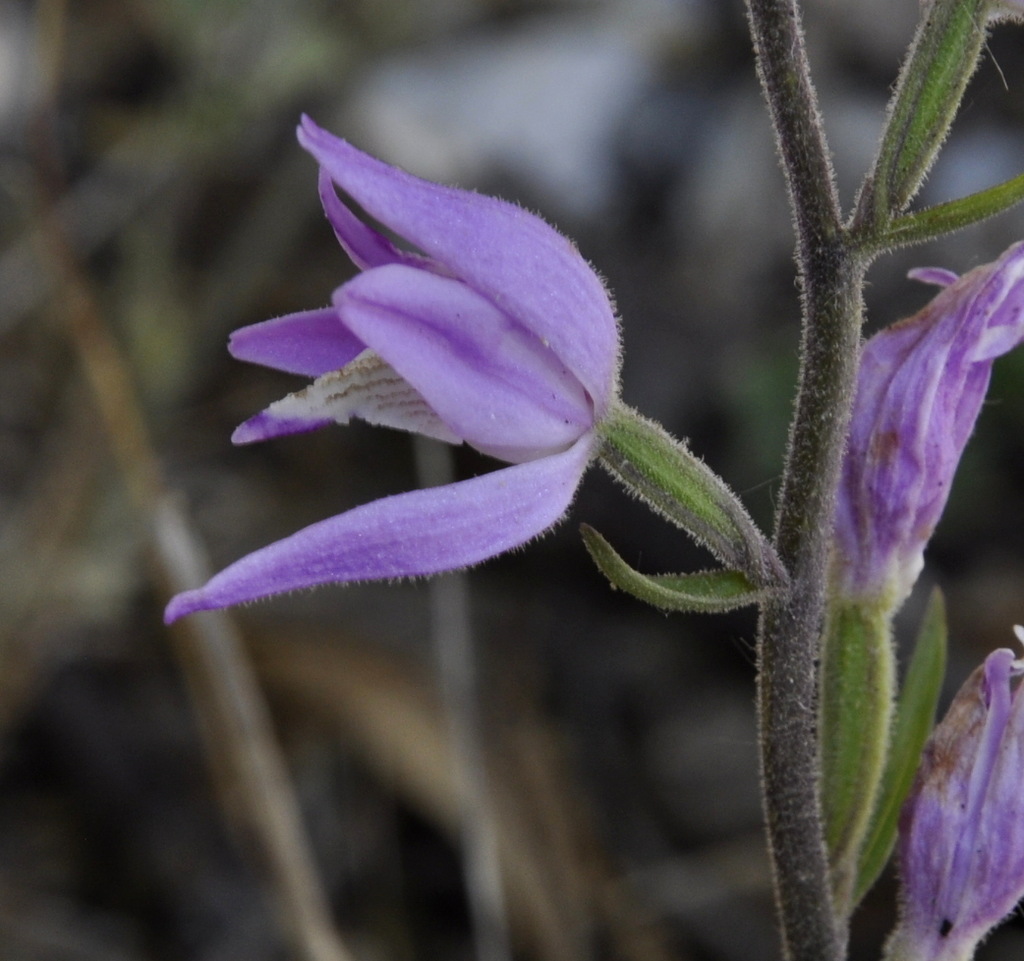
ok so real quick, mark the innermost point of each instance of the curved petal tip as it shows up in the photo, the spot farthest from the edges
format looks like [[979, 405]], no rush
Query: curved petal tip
[[266, 424], [190, 602], [937, 276]]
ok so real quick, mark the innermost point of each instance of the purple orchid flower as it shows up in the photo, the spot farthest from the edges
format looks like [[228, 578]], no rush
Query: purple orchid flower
[[496, 333], [961, 842], [920, 389]]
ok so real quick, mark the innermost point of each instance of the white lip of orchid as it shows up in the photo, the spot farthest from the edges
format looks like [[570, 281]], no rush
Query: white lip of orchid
[[373, 391], [367, 388]]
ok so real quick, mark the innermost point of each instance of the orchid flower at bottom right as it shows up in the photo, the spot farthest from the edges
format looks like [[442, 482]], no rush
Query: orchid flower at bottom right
[[961, 846]]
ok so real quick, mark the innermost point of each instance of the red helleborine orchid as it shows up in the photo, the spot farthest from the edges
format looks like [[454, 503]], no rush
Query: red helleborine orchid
[[497, 333]]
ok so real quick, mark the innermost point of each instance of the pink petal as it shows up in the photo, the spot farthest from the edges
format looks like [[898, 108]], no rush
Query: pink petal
[[418, 533], [268, 424], [522, 265], [366, 246], [493, 383], [937, 276], [310, 342]]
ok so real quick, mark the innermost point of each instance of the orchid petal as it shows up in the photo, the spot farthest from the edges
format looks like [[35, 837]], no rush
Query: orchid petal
[[493, 383], [367, 388], [310, 342], [521, 264], [418, 533], [962, 825], [1000, 301], [366, 246], [921, 386], [937, 276]]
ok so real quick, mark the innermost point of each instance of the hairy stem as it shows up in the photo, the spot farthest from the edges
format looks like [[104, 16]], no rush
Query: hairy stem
[[791, 623], [785, 78]]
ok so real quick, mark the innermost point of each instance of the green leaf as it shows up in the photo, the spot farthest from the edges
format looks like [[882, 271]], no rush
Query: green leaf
[[944, 218], [943, 56], [709, 592], [915, 718], [665, 474], [858, 669]]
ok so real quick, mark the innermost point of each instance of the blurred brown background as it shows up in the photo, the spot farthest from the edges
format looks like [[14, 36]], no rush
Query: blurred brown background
[[153, 198]]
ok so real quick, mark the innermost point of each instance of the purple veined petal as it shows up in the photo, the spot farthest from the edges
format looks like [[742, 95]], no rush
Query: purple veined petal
[[962, 826], [367, 388], [885, 471], [418, 533], [938, 276], [952, 897], [999, 297], [366, 246], [934, 819], [996, 341], [1002, 861], [921, 386], [521, 264], [310, 342], [494, 384]]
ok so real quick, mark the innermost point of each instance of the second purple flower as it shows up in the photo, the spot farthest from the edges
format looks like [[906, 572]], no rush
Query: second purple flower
[[920, 389], [962, 827]]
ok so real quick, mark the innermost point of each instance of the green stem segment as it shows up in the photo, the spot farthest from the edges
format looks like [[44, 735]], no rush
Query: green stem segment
[[791, 622], [831, 263]]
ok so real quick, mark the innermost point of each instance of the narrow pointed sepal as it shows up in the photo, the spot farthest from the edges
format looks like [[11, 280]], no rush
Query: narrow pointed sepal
[[310, 342], [413, 534], [915, 717], [705, 592], [677, 484]]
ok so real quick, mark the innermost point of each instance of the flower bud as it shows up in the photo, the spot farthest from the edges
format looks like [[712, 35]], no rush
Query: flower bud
[[919, 391], [961, 844]]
